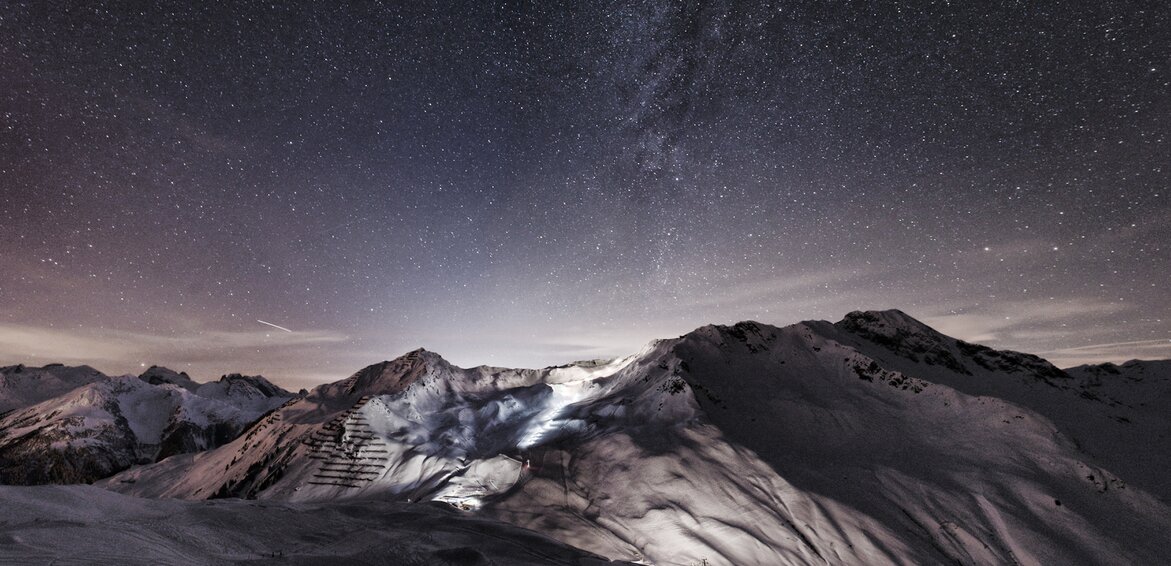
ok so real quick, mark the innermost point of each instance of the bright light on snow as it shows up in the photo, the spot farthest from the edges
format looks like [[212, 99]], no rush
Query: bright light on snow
[[548, 421]]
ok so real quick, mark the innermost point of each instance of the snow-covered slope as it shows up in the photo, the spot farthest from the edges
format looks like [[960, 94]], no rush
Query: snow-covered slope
[[1127, 420], [875, 440], [1116, 414], [21, 386], [955, 477], [106, 426], [86, 525]]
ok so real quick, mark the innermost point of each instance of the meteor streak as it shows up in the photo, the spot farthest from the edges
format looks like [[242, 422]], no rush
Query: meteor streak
[[274, 326]]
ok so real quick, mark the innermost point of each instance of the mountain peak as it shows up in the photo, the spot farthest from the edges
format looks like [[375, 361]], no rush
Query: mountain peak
[[259, 383], [738, 330], [157, 375], [884, 322], [902, 334], [390, 376]]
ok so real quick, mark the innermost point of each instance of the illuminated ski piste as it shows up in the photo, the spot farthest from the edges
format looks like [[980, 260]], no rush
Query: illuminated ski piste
[[570, 385]]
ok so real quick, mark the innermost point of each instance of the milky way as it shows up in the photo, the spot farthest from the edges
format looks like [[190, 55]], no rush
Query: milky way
[[517, 184]]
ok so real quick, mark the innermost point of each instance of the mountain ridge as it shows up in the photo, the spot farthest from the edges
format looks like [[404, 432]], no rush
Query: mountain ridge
[[113, 422], [802, 444], [875, 438]]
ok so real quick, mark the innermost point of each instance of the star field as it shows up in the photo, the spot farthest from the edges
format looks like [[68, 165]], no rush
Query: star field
[[521, 184]]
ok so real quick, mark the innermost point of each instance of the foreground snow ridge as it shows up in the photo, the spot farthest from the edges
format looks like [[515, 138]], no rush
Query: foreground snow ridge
[[872, 440]]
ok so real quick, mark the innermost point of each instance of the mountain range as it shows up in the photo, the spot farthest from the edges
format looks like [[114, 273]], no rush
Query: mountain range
[[98, 425], [875, 439]]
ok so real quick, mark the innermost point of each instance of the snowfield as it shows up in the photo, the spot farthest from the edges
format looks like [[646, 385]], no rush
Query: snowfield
[[874, 440], [69, 525]]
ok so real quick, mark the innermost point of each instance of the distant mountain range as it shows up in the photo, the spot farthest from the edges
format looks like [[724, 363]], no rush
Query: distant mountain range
[[875, 439], [76, 425]]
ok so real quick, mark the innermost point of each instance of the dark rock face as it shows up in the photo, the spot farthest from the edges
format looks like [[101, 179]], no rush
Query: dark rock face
[[236, 384], [1010, 362], [184, 437], [905, 336], [31, 464], [45, 455], [156, 375]]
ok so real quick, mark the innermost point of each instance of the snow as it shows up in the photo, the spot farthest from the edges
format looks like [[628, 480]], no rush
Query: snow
[[147, 409], [1122, 419], [1115, 413], [549, 422], [113, 422], [87, 525], [21, 386], [872, 440], [471, 485]]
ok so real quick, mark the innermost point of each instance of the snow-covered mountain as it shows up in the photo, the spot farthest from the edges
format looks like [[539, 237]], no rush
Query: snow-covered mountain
[[1117, 414], [21, 386], [1130, 424], [109, 424], [872, 440]]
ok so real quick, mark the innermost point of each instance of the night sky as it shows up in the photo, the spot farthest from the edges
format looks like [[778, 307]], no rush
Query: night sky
[[527, 184]]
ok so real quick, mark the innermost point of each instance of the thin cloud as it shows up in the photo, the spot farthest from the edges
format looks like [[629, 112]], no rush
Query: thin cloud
[[126, 349], [1019, 320]]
